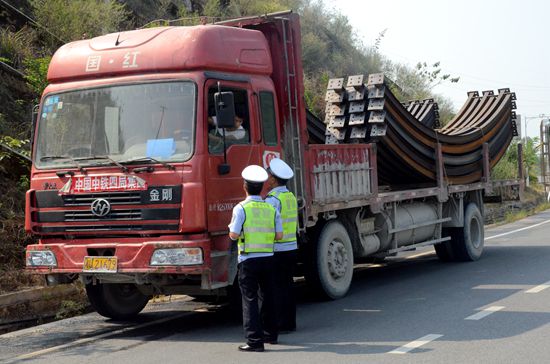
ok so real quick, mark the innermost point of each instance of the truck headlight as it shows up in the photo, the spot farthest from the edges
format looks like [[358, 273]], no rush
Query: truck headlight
[[177, 256], [41, 258]]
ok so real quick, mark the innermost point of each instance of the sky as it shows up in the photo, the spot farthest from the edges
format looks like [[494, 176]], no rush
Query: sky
[[489, 44]]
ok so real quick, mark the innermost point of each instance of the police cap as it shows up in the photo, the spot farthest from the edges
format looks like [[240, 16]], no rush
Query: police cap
[[254, 174], [280, 169]]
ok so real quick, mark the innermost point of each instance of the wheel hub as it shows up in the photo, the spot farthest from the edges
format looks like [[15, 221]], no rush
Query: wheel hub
[[475, 233], [337, 259]]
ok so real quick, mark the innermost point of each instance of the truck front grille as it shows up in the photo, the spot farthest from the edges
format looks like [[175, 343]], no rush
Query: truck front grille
[[155, 209], [105, 228], [115, 198], [113, 215]]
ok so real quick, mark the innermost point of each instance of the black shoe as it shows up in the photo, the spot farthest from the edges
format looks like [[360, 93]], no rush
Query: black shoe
[[247, 347], [270, 341]]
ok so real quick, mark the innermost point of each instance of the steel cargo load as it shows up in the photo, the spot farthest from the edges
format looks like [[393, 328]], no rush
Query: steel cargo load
[[405, 135]]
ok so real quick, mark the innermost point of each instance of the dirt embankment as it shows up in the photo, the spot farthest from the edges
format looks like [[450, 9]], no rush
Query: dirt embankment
[[37, 305], [13, 185], [506, 211]]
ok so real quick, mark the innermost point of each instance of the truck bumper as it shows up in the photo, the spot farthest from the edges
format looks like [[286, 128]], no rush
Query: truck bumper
[[133, 255]]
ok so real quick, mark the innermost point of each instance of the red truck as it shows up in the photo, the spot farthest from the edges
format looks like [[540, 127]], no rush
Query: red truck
[[132, 186]]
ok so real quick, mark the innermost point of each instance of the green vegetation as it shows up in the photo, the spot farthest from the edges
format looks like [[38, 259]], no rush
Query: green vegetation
[[512, 216], [69, 20], [507, 167], [70, 308], [36, 70], [15, 46]]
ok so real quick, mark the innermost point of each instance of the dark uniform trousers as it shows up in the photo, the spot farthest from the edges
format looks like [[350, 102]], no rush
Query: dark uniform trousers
[[284, 289], [256, 280]]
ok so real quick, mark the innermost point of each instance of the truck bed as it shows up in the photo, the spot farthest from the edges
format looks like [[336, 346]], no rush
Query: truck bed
[[344, 176]]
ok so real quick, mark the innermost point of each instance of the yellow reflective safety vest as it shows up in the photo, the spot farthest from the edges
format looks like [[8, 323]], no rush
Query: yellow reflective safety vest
[[289, 214], [258, 234]]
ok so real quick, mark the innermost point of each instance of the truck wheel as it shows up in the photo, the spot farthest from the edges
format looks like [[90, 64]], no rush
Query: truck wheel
[[116, 301], [444, 250], [467, 244], [333, 258], [232, 307]]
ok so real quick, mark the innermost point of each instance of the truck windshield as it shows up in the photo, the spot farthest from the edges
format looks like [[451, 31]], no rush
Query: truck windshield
[[152, 121]]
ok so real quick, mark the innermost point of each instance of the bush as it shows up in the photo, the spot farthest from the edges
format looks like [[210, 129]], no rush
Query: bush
[[36, 74], [69, 20], [70, 308], [15, 46]]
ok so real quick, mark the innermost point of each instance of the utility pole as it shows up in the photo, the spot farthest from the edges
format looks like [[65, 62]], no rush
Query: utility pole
[[525, 120], [545, 153]]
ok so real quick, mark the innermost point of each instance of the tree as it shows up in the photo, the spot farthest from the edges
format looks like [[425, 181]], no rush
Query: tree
[[507, 167], [215, 9], [36, 71], [418, 83], [531, 158], [432, 74], [446, 109], [237, 8]]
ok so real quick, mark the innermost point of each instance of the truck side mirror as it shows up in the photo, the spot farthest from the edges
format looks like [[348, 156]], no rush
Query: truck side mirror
[[225, 109]]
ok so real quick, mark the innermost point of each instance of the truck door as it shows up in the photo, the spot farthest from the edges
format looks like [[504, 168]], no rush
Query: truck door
[[226, 190]]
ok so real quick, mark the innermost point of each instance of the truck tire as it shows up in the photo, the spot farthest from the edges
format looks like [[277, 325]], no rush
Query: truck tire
[[232, 305], [444, 250], [332, 268], [116, 301], [467, 242]]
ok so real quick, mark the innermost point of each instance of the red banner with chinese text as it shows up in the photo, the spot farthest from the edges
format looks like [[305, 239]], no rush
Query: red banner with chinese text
[[88, 184]]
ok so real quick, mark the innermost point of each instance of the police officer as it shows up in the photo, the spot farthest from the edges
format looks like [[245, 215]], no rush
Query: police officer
[[255, 224], [286, 251]]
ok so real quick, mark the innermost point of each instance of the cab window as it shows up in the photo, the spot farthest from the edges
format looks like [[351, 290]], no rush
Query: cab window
[[269, 126], [239, 133]]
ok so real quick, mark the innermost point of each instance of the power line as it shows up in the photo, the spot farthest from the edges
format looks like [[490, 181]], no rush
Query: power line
[[516, 87], [522, 100], [11, 69], [17, 153], [509, 83], [31, 20]]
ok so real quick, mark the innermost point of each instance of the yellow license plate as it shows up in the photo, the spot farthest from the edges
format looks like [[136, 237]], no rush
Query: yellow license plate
[[100, 264]]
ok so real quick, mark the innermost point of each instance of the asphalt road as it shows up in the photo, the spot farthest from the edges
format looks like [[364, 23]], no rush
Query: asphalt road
[[414, 309]]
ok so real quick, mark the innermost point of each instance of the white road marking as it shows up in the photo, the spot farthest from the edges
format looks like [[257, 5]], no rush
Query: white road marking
[[539, 288], [98, 337], [352, 310], [517, 230], [415, 344], [518, 287], [484, 313]]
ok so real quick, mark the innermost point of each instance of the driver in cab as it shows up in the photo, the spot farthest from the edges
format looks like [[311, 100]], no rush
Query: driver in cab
[[234, 135]]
